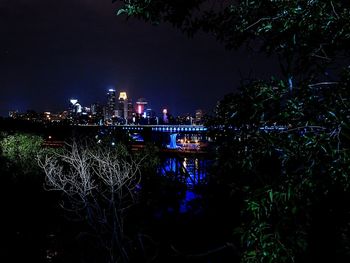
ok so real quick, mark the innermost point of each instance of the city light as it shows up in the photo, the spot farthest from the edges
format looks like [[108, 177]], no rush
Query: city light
[[73, 101], [113, 111], [139, 109], [122, 95]]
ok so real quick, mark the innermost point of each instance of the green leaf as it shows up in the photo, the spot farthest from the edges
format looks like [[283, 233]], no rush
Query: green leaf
[[271, 196], [121, 11], [333, 114]]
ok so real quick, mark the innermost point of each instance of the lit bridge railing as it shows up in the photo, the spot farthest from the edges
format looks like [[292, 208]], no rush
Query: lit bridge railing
[[166, 128]]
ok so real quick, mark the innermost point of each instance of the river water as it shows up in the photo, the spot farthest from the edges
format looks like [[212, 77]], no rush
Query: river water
[[192, 172]]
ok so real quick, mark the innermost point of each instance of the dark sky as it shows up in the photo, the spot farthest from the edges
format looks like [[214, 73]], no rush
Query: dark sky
[[53, 50]]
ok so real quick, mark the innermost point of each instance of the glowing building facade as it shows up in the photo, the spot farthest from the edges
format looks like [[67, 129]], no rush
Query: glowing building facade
[[141, 104], [75, 107], [111, 104], [123, 106], [165, 116]]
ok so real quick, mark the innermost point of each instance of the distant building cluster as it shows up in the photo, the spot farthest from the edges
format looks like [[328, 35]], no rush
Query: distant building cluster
[[118, 109]]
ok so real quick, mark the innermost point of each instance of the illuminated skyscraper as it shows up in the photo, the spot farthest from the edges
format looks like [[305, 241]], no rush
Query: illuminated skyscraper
[[199, 116], [111, 103], [123, 96], [123, 106], [165, 116], [75, 107], [141, 104], [130, 110]]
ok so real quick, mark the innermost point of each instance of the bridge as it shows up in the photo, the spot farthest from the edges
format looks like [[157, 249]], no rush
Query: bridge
[[172, 130], [163, 128]]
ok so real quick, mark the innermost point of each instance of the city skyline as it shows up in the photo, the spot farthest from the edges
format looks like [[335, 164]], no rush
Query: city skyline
[[105, 102], [117, 109], [51, 52]]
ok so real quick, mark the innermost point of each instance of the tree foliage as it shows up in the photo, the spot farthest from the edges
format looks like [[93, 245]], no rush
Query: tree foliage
[[21, 150], [304, 34], [286, 179], [282, 175]]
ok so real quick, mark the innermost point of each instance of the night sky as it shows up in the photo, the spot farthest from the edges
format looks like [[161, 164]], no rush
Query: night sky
[[51, 51]]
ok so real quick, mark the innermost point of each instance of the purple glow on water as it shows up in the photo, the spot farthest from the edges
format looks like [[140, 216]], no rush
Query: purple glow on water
[[185, 205]]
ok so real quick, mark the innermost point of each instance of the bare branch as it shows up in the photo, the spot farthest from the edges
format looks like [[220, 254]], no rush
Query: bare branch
[[99, 184], [263, 19], [334, 10], [323, 83]]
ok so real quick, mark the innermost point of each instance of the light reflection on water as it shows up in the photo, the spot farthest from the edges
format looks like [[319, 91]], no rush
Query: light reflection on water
[[186, 203], [190, 171]]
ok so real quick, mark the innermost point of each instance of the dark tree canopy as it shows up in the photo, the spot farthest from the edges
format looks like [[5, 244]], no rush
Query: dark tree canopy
[[290, 183], [304, 34]]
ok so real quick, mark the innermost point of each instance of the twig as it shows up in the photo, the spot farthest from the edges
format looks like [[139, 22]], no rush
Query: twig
[[303, 127], [262, 19], [321, 57], [334, 10], [207, 253], [323, 83]]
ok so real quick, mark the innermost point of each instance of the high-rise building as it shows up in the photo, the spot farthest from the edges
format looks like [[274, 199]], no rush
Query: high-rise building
[[123, 96], [150, 117], [149, 113], [13, 114], [96, 109], [75, 107], [141, 104], [130, 110], [111, 104], [165, 116], [97, 113], [123, 105], [199, 116]]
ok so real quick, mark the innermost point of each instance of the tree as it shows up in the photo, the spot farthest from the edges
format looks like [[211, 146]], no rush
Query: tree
[[100, 184], [20, 150], [305, 35], [289, 179], [286, 180]]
